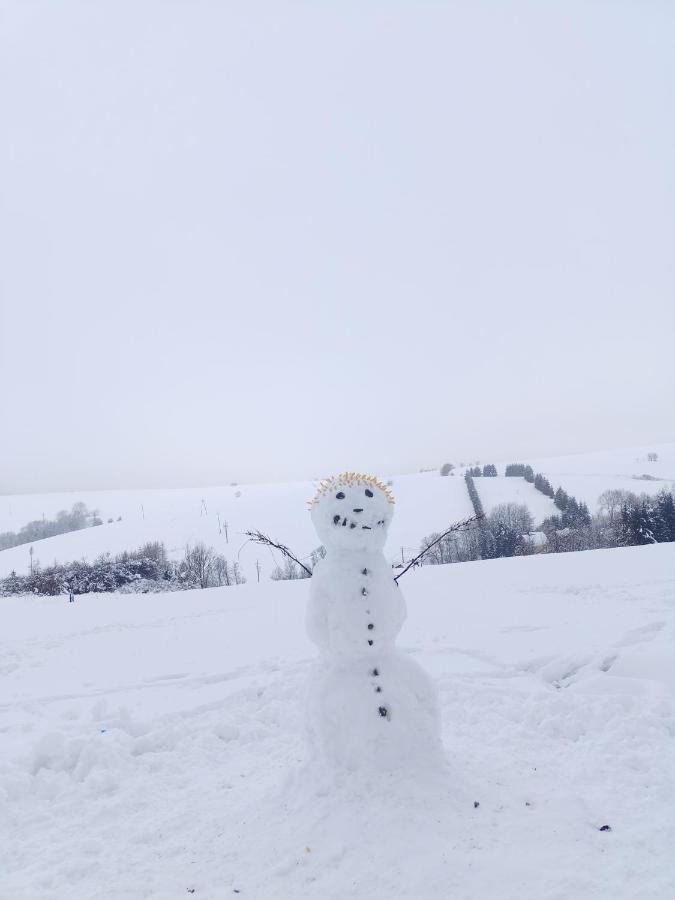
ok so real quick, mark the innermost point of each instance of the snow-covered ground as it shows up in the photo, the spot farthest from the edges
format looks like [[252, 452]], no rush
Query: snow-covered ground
[[152, 745], [587, 475], [424, 503], [493, 491]]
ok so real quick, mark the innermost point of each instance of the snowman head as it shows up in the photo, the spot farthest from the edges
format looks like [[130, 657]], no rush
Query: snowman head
[[352, 512]]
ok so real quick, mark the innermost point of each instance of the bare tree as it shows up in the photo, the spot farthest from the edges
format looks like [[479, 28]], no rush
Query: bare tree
[[199, 562], [290, 571], [611, 501], [514, 516], [237, 574], [221, 570]]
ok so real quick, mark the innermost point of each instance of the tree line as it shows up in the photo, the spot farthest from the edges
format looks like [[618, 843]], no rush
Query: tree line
[[624, 519], [145, 570], [506, 531], [473, 496], [488, 471], [79, 517]]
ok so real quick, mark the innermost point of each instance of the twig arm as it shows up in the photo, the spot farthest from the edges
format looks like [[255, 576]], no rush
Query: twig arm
[[458, 526], [259, 538]]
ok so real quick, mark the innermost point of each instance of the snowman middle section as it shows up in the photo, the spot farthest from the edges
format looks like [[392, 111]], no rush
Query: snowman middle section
[[368, 704], [356, 607]]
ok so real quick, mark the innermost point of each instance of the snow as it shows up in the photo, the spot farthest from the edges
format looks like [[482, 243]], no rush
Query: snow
[[425, 503], [585, 476], [153, 745], [493, 491], [628, 462]]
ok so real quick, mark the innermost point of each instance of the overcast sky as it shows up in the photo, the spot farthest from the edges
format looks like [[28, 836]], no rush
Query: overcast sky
[[267, 240]]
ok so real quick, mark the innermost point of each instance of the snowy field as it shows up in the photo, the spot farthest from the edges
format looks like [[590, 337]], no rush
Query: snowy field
[[424, 503], [493, 491], [152, 745], [587, 475]]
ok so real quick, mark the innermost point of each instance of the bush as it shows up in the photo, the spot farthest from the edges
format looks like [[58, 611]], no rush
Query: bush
[[142, 570]]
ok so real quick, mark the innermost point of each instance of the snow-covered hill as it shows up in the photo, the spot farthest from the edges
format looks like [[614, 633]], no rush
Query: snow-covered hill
[[152, 745], [493, 491], [587, 475], [424, 503]]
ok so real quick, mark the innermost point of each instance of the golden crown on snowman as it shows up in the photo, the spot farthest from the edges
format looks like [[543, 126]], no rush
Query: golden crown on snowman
[[349, 479]]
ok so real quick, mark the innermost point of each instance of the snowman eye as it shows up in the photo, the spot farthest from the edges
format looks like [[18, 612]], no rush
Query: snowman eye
[[340, 496], [369, 493]]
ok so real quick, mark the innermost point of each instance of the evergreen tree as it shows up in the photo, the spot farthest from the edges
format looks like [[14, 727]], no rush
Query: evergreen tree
[[665, 507], [560, 499], [585, 517], [639, 522]]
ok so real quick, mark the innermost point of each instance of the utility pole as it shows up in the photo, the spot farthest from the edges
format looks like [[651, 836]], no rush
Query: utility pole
[[143, 511], [31, 552], [257, 568], [227, 539], [402, 559], [220, 530]]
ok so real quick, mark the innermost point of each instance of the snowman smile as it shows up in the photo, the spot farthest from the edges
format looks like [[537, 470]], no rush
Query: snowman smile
[[339, 522]]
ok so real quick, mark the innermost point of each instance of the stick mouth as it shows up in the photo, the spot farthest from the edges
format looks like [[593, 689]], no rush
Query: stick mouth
[[339, 522]]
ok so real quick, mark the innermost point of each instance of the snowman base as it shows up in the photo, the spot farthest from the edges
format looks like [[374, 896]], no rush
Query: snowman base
[[377, 713]]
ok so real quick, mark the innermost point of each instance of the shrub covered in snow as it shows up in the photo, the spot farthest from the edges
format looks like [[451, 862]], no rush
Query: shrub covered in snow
[[138, 571]]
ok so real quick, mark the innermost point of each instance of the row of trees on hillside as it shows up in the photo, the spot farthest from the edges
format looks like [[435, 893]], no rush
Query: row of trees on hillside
[[624, 519], [572, 511], [519, 469], [147, 569], [504, 532], [488, 471], [79, 517], [473, 496]]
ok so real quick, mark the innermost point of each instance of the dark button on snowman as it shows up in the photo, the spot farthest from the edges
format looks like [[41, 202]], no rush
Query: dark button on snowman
[[368, 703]]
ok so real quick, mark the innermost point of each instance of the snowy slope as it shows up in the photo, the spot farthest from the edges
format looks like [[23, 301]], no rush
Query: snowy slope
[[587, 475], [493, 491], [424, 503], [152, 745], [627, 462]]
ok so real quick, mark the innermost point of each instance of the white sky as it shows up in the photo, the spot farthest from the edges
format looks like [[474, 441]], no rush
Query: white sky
[[268, 240]]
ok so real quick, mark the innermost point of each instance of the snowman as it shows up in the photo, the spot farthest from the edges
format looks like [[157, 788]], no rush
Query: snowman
[[369, 705]]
